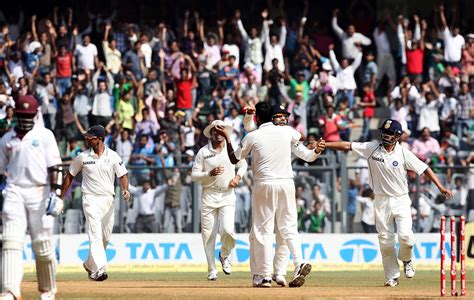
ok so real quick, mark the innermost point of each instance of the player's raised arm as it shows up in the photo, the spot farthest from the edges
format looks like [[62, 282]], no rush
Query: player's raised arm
[[230, 149], [339, 146]]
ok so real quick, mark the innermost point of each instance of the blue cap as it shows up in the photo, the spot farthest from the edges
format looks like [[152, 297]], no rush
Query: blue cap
[[95, 131], [279, 109], [391, 127]]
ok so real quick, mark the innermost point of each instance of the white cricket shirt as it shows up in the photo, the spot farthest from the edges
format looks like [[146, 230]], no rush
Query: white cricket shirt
[[388, 171], [98, 173], [270, 146], [27, 160], [207, 159]]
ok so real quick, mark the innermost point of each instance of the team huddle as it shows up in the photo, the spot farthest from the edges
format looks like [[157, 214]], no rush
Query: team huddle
[[33, 196]]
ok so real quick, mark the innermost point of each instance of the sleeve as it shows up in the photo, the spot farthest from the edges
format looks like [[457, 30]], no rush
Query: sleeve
[[364, 40], [76, 166], [295, 135], [338, 30], [414, 164], [160, 189], [282, 36], [417, 32], [119, 166], [364, 149], [53, 157], [3, 157], [241, 167], [249, 123], [304, 153], [133, 189], [362, 200], [242, 30], [95, 50], [357, 61], [245, 147], [197, 173], [334, 61]]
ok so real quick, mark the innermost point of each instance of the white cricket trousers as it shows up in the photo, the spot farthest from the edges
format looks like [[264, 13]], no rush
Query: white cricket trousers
[[25, 207], [273, 204], [388, 210], [99, 213], [217, 220]]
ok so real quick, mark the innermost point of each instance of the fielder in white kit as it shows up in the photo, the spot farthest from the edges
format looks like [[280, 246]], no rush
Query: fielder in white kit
[[99, 166], [273, 197], [213, 169], [29, 157], [388, 166], [282, 253]]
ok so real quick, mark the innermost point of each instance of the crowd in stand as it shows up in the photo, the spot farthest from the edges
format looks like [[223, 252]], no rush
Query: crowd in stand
[[155, 88]]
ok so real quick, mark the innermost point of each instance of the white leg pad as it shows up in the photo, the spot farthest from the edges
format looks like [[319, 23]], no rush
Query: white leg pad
[[45, 265], [12, 258]]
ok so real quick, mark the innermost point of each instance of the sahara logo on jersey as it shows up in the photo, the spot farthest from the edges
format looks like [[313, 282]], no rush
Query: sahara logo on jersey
[[83, 251], [242, 251], [358, 251]]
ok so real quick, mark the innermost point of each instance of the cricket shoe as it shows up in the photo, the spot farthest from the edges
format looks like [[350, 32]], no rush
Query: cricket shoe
[[266, 282], [392, 282], [89, 272], [300, 273], [279, 279], [9, 296], [255, 280], [226, 265], [47, 296], [100, 275], [409, 269], [212, 276]]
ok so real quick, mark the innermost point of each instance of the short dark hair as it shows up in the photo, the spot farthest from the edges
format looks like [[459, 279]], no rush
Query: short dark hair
[[264, 112]]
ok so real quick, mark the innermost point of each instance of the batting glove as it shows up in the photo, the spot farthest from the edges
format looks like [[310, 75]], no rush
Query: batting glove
[[55, 205]]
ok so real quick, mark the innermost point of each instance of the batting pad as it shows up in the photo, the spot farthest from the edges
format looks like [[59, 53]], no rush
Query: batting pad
[[12, 258], [45, 265]]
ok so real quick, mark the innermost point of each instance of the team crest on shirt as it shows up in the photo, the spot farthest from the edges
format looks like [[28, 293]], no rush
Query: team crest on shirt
[[395, 163], [35, 143]]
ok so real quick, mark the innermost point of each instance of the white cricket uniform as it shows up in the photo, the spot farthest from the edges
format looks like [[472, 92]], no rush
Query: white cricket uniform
[[217, 200], [98, 177], [388, 180], [282, 252], [27, 161], [273, 197]]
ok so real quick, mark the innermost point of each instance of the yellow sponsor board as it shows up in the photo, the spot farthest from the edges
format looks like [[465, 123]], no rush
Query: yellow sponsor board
[[469, 238]]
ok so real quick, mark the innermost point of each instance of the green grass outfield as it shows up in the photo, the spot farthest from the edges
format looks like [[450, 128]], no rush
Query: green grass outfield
[[173, 284]]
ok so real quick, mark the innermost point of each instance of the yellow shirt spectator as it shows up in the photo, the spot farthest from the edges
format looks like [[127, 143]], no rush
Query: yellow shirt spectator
[[125, 113]]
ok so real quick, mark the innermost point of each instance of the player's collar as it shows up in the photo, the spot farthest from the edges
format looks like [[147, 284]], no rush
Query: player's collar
[[267, 124]]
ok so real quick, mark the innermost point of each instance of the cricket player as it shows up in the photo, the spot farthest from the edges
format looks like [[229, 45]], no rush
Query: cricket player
[[281, 258], [213, 169], [273, 196], [29, 157], [388, 166], [99, 166]]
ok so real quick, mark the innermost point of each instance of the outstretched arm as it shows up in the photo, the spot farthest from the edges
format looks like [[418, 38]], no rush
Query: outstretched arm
[[339, 146], [432, 176]]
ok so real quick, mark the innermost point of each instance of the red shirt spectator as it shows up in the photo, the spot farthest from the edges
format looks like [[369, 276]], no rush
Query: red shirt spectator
[[63, 65], [331, 123], [415, 61], [369, 99], [184, 96]]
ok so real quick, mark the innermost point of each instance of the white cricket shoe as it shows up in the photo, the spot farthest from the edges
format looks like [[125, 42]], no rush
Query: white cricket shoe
[[265, 282], [279, 279], [226, 265], [100, 275], [255, 280], [409, 269], [299, 275], [212, 276], [47, 296], [392, 282], [9, 296]]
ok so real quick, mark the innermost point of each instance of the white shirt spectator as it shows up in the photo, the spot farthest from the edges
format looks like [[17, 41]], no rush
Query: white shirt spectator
[[146, 201], [124, 149], [16, 69], [146, 50], [274, 51], [452, 46], [381, 41], [234, 50], [86, 56], [253, 47], [349, 48], [346, 76], [401, 115], [213, 55], [429, 113], [413, 94], [368, 216], [449, 108]]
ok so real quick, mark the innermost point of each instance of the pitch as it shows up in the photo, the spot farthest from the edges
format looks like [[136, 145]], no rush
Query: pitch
[[186, 285]]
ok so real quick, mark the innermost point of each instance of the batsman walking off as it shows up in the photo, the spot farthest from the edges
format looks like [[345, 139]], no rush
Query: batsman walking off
[[29, 156], [213, 169], [99, 166], [388, 165]]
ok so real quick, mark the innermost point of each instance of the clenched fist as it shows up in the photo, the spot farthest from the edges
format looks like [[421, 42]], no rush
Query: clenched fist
[[216, 171]]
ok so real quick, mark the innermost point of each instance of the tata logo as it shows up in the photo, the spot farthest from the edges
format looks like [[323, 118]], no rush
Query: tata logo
[[83, 251], [358, 251], [159, 251], [242, 251]]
